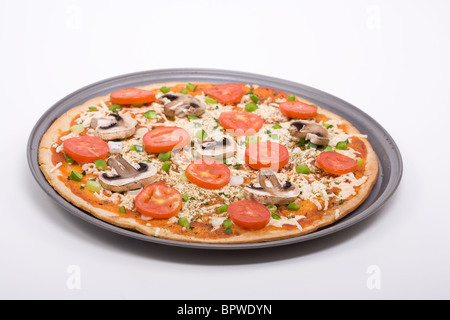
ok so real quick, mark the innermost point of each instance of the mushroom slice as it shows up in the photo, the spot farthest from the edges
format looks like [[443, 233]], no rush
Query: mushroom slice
[[182, 105], [127, 177], [313, 132], [269, 190], [217, 149], [114, 126]]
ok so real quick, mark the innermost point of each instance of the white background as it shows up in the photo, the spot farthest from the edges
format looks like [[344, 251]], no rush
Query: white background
[[389, 58]]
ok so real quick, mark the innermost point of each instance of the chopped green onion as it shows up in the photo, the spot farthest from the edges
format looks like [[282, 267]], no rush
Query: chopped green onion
[[312, 145], [250, 107], [122, 209], [78, 128], [327, 125], [115, 108], [92, 109], [165, 156], [191, 117], [275, 216], [254, 98], [150, 114], [359, 160], [76, 176], [277, 126], [293, 206], [190, 86], [211, 100], [164, 89], [291, 98], [272, 208], [223, 208], [184, 222], [185, 197], [100, 164], [166, 166], [302, 169], [201, 134], [229, 231], [184, 91], [137, 148], [227, 224], [68, 159], [328, 148], [342, 145], [93, 186]]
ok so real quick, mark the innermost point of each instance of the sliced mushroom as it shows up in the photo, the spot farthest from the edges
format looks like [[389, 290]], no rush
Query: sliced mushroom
[[216, 149], [114, 126], [269, 190], [127, 177], [182, 105], [313, 132]]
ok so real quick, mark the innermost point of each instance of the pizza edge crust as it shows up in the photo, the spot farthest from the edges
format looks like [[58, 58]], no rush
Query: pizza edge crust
[[329, 217]]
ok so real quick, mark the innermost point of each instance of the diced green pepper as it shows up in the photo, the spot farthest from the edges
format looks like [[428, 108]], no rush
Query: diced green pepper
[[68, 159], [115, 108], [164, 89], [250, 107], [184, 222], [166, 166], [76, 176], [342, 145], [302, 169], [223, 208], [293, 206], [150, 114], [165, 156], [100, 164], [93, 185], [210, 100]]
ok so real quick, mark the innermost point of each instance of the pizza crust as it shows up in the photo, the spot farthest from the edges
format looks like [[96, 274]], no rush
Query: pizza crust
[[328, 217]]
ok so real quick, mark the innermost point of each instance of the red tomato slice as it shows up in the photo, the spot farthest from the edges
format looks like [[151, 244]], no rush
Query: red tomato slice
[[226, 93], [132, 96], [241, 123], [249, 214], [208, 173], [164, 139], [298, 110], [86, 149], [159, 201], [336, 163], [266, 154]]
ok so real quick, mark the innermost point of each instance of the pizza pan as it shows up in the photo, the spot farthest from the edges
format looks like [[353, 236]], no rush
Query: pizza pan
[[389, 157]]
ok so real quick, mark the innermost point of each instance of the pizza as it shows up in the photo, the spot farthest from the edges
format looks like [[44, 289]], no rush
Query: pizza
[[209, 163]]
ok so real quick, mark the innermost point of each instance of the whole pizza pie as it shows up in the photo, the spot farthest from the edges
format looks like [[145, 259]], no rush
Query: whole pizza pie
[[209, 163]]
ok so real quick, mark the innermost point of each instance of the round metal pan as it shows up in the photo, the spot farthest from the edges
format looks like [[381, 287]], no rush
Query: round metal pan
[[389, 157]]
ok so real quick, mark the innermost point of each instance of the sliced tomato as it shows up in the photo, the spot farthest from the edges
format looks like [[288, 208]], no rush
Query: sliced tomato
[[249, 214], [164, 139], [241, 123], [132, 96], [336, 163], [159, 201], [266, 154], [208, 173], [86, 149], [298, 110], [226, 93], [264, 93]]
